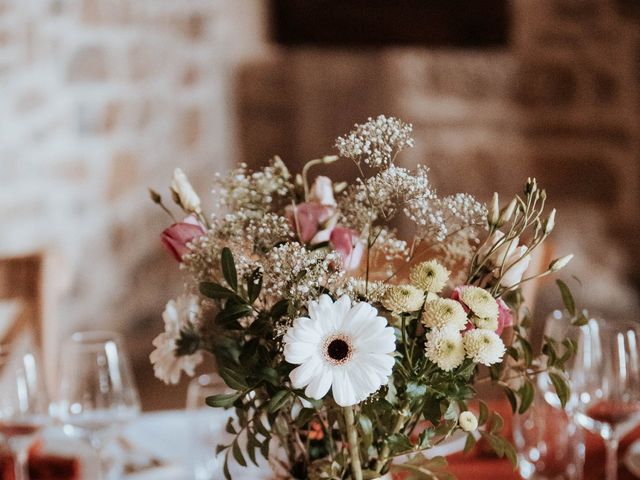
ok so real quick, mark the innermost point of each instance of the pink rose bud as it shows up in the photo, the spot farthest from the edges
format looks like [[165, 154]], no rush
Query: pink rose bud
[[177, 236], [348, 244], [505, 317], [309, 219]]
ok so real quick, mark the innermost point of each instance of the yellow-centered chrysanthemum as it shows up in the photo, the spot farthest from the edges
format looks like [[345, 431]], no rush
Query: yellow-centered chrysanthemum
[[479, 301], [429, 276], [403, 298], [445, 348], [483, 346], [444, 312], [486, 323]]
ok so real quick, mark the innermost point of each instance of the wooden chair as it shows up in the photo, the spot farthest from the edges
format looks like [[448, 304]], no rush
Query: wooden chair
[[24, 285]]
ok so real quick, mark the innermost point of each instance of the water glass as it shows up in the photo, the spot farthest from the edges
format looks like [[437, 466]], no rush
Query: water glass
[[97, 391], [549, 443]]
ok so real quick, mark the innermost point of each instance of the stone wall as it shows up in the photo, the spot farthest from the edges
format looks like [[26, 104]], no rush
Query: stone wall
[[100, 99], [562, 103]]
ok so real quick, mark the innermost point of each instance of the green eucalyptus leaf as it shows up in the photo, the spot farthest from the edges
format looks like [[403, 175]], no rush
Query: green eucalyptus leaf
[[469, 443], [225, 468], [229, 268], [526, 393], [228, 316], [567, 298], [484, 413], [217, 292], [237, 454], [223, 400], [561, 386], [278, 401], [513, 401], [233, 378]]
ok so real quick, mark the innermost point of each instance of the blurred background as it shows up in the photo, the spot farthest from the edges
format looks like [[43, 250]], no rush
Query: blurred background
[[100, 99]]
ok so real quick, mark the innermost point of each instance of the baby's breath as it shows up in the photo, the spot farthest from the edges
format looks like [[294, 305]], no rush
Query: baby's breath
[[377, 141]]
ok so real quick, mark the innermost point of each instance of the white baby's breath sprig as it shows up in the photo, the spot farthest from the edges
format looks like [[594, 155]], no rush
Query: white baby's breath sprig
[[376, 142]]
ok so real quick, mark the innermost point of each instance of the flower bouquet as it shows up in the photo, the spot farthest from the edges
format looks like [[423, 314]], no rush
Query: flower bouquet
[[350, 347]]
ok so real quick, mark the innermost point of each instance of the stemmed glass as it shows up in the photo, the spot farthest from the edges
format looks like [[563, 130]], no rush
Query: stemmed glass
[[606, 381], [97, 392], [24, 403]]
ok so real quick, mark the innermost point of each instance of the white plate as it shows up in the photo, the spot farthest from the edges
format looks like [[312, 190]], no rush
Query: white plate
[[632, 459]]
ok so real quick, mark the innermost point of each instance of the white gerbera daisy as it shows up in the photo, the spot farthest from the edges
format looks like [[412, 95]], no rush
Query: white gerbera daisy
[[445, 347], [479, 301], [403, 298], [178, 314], [444, 312], [339, 346], [430, 276], [483, 346]]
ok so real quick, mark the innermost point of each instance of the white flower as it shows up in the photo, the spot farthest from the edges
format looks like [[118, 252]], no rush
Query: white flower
[[445, 348], [515, 266], [403, 298], [178, 314], [182, 188], [468, 421], [501, 253], [483, 346], [479, 301], [430, 276], [444, 312], [322, 192], [486, 323], [339, 346], [560, 263]]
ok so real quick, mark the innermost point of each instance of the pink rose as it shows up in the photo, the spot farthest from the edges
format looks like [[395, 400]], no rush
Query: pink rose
[[505, 318], [312, 222], [177, 236], [348, 244]]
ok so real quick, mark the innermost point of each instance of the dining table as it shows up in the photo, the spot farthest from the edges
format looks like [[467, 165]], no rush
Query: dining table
[[169, 445]]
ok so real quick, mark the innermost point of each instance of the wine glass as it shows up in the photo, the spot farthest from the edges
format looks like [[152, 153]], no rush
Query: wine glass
[[97, 392], [24, 403], [548, 442], [606, 380]]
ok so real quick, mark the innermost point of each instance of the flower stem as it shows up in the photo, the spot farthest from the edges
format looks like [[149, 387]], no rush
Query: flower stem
[[352, 438]]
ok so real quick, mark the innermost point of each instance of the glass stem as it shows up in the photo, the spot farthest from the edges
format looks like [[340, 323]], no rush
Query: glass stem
[[96, 445], [21, 464], [612, 458]]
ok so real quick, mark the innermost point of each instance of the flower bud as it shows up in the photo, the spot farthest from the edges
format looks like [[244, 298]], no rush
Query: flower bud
[[468, 422], [550, 223], [183, 190], [494, 211], [507, 212], [327, 159], [560, 263]]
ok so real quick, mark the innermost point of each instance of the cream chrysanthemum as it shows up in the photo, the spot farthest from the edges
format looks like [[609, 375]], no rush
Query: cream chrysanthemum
[[430, 276], [403, 298], [479, 301], [178, 314], [468, 421], [486, 323], [339, 346], [444, 312], [483, 346], [445, 348]]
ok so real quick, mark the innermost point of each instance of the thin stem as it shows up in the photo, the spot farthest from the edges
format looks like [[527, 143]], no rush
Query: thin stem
[[612, 458], [352, 438], [384, 455]]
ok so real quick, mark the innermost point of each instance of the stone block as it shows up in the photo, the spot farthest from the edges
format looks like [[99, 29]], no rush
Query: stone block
[[545, 85], [88, 64]]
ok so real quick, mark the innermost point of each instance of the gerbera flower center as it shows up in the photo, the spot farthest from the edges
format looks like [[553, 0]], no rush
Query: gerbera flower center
[[338, 349]]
